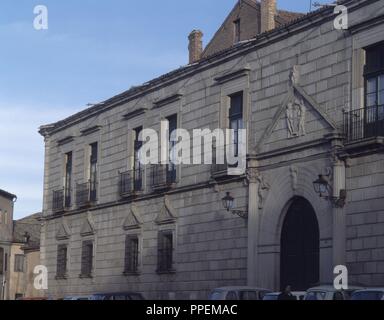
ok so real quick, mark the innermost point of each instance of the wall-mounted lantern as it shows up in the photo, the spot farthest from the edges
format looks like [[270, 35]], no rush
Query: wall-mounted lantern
[[323, 187], [228, 203]]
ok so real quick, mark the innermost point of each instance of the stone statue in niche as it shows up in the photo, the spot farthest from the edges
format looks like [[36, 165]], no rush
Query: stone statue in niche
[[296, 116], [294, 175], [263, 190]]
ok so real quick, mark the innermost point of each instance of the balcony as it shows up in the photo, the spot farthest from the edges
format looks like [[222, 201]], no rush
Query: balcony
[[58, 201], [131, 183], [61, 200], [364, 125], [163, 176], [86, 194], [219, 168]]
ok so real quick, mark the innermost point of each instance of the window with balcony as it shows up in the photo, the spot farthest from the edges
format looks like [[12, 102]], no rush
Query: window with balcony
[[166, 175], [68, 180], [86, 193], [236, 123], [131, 181], [368, 121], [93, 171]]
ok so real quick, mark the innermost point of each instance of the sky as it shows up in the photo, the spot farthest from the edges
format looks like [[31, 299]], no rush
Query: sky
[[91, 51]]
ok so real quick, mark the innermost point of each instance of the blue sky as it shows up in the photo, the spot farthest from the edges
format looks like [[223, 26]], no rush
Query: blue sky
[[92, 50]]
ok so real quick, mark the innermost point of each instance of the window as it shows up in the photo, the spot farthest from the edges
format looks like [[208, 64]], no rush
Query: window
[[19, 263], [165, 251], [171, 168], [374, 90], [68, 180], [137, 167], [62, 256], [87, 259], [93, 171], [237, 31], [236, 121], [1, 261], [131, 254]]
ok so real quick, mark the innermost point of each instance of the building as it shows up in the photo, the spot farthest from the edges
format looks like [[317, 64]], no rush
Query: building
[[19, 251], [310, 96]]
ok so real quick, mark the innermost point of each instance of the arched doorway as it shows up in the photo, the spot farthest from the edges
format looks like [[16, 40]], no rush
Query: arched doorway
[[300, 247]]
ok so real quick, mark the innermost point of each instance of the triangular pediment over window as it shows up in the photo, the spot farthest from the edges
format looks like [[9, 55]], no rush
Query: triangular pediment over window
[[167, 214], [63, 232], [88, 227], [132, 221]]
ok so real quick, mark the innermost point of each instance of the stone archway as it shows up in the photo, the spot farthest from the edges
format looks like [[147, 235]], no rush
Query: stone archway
[[300, 246]]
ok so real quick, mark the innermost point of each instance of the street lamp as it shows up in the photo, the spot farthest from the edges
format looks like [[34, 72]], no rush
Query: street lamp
[[228, 203], [324, 189]]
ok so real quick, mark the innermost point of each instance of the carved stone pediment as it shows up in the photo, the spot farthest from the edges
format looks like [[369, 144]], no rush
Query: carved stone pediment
[[132, 220], [299, 119], [63, 232], [88, 227], [167, 214]]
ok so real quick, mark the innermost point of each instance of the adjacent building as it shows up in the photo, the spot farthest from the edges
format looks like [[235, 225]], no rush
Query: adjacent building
[[19, 251], [311, 97]]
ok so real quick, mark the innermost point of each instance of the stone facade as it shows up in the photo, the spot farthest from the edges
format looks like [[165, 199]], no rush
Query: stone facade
[[17, 281], [296, 83]]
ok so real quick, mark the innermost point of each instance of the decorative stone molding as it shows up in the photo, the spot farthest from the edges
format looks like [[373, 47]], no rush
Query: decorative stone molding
[[253, 175], [88, 227], [294, 75], [132, 221], [167, 215], [63, 233]]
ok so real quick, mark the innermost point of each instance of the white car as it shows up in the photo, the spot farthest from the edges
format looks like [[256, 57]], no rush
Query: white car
[[238, 293], [329, 293], [373, 294], [298, 295]]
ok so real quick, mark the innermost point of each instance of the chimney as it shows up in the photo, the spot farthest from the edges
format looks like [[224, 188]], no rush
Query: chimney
[[268, 13], [195, 46]]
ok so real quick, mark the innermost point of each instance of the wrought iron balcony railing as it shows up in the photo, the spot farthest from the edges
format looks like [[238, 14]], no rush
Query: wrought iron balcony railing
[[86, 193], [131, 182], [219, 167], [58, 200], [364, 123], [61, 200], [163, 176]]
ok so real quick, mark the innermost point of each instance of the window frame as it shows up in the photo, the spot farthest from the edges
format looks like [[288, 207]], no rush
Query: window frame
[[87, 269], [166, 253], [19, 267], [62, 267]]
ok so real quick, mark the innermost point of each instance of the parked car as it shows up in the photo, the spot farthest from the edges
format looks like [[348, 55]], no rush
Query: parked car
[[118, 296], [238, 293], [329, 293], [373, 294], [298, 295], [109, 296], [78, 298]]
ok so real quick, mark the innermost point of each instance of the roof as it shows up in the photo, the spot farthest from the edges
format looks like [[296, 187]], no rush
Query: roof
[[249, 12], [7, 195], [30, 225], [149, 86]]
